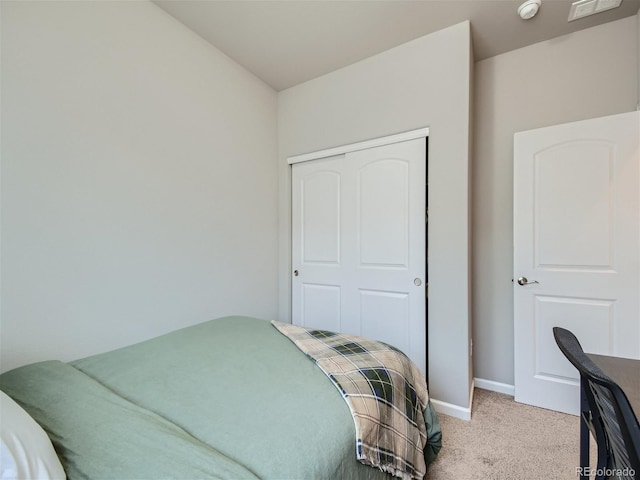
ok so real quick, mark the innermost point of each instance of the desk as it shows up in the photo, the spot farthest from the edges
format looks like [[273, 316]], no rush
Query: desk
[[626, 373]]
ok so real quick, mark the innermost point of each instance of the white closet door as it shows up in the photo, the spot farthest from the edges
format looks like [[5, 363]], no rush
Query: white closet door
[[359, 245]]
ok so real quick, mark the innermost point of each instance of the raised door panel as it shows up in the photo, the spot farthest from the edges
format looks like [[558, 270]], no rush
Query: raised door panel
[[574, 206], [385, 315], [320, 218], [321, 307], [383, 214]]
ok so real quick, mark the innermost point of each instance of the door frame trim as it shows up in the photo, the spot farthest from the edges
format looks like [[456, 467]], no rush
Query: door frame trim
[[376, 142]]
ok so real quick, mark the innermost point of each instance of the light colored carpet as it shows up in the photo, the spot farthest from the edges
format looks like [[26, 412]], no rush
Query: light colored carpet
[[506, 440]]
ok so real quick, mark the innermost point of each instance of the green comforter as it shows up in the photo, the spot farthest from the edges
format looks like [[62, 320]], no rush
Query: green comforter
[[230, 398]]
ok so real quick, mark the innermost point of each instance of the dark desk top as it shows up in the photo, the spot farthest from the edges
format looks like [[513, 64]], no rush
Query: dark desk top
[[625, 372]]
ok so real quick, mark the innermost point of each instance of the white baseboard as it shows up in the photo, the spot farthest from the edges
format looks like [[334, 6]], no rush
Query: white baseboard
[[451, 409], [495, 386], [463, 413]]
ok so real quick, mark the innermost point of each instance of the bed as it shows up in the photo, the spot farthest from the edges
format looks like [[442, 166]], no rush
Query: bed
[[231, 398]]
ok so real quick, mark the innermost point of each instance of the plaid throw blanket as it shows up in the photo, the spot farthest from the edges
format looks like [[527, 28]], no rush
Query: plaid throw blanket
[[385, 391]]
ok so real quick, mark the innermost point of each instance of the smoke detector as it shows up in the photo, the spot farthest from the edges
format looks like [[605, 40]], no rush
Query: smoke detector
[[584, 8], [529, 9]]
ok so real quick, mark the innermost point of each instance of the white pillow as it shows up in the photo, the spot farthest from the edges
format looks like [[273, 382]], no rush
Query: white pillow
[[26, 451]]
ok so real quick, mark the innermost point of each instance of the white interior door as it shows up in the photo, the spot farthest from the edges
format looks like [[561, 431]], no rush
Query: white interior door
[[358, 247], [576, 240]]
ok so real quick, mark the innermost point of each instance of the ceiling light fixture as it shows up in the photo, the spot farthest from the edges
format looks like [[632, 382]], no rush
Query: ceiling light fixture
[[529, 9]]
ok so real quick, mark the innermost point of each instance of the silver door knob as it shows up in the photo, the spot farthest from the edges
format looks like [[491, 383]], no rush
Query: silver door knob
[[417, 282], [525, 281]]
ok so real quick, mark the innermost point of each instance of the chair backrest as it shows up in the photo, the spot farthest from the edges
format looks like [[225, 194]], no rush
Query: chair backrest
[[610, 409]]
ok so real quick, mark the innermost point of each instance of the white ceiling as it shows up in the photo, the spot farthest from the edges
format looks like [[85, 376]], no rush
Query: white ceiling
[[286, 42]]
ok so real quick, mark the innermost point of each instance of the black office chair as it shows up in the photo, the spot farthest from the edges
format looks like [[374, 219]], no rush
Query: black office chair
[[606, 410]]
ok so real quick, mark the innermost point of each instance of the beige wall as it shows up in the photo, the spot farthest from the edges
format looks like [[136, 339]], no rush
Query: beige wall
[[138, 163], [424, 83], [587, 74]]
